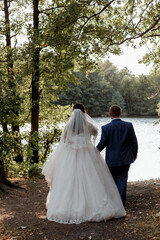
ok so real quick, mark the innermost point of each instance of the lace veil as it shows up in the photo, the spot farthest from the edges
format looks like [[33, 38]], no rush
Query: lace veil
[[80, 129]]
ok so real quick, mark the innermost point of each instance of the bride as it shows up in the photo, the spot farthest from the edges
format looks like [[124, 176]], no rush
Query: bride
[[81, 186]]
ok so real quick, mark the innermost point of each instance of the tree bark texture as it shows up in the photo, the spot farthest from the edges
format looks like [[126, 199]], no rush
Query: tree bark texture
[[35, 82], [5, 127], [3, 179]]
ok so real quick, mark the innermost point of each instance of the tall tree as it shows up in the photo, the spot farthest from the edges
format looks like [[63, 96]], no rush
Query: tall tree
[[9, 58], [35, 82], [11, 77], [9, 92], [64, 32], [67, 32]]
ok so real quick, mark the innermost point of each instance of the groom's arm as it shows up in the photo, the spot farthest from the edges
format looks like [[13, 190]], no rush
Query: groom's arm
[[103, 141], [134, 142]]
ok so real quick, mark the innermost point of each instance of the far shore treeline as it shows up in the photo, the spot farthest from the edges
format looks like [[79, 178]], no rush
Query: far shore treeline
[[106, 85]]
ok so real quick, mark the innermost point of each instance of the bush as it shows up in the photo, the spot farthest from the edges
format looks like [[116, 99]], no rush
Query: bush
[[35, 172]]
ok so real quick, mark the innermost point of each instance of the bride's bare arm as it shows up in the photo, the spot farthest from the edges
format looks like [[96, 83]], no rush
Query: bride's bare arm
[[92, 129]]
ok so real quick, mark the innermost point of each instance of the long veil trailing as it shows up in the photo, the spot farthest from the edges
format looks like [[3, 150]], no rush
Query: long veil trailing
[[79, 132]]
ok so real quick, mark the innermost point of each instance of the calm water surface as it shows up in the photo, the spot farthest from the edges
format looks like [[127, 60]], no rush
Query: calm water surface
[[147, 165]]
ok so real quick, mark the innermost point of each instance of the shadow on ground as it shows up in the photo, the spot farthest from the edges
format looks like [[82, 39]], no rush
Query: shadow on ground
[[23, 216]]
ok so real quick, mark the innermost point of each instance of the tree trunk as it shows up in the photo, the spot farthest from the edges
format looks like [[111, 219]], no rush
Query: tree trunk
[[48, 142], [2, 176], [35, 83], [3, 179], [11, 81], [5, 127]]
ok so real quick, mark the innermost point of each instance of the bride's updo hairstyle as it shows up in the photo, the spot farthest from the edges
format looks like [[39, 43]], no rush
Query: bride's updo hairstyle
[[79, 106]]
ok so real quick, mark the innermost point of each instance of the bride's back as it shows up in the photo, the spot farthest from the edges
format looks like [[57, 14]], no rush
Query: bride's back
[[79, 129]]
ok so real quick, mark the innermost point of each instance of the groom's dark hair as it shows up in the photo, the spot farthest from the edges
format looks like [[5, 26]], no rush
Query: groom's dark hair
[[115, 111]]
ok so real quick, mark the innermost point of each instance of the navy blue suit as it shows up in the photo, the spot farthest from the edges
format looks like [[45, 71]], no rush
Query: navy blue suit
[[121, 150]]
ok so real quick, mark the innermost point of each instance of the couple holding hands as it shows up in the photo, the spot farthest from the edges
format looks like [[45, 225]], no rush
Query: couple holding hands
[[84, 187]]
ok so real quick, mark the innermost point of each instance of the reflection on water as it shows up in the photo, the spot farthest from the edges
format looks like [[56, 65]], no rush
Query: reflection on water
[[147, 165]]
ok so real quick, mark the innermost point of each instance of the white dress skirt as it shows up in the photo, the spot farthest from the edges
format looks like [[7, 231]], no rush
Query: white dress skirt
[[81, 186]]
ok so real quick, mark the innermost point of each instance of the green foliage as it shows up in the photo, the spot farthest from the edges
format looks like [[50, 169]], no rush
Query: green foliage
[[35, 172], [143, 24], [100, 89], [9, 146], [117, 99], [70, 33], [9, 149], [158, 109], [48, 135], [24, 170], [90, 91]]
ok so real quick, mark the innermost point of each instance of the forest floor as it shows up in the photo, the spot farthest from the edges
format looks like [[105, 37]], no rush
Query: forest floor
[[23, 215]]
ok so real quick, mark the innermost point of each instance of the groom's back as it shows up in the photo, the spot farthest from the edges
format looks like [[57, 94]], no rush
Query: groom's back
[[120, 141]]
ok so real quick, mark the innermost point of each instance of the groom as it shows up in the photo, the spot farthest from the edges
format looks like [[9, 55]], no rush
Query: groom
[[121, 148]]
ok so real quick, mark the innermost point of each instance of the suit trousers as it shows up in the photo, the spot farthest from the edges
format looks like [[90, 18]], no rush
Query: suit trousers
[[120, 176]]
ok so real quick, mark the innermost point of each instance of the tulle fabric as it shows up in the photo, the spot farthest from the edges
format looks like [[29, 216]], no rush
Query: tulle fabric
[[80, 124], [81, 186]]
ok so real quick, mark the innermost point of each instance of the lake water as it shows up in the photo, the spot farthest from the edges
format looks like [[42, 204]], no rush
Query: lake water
[[147, 165]]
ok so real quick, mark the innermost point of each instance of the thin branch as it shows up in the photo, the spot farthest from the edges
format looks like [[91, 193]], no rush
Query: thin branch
[[98, 13], [92, 16], [3, 61], [49, 142], [49, 9], [142, 34], [155, 29], [141, 15], [152, 35], [14, 35], [131, 18]]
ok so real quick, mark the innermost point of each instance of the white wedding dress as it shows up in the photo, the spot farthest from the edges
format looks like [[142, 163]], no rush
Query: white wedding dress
[[81, 186]]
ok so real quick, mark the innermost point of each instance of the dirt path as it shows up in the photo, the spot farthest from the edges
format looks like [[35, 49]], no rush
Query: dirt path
[[23, 216]]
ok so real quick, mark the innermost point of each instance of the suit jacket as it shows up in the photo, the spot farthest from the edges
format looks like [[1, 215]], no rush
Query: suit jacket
[[120, 141]]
